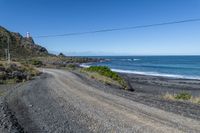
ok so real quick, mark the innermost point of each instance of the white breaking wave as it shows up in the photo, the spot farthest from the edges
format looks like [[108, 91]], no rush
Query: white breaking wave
[[155, 74], [130, 59], [84, 65], [136, 59]]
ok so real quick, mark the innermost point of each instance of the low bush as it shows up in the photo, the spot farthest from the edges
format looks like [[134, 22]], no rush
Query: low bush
[[105, 71], [37, 63], [183, 96], [71, 66], [17, 72]]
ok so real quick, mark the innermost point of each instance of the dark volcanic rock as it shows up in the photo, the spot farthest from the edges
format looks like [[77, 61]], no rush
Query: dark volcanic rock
[[2, 68], [19, 75], [15, 73], [61, 55], [42, 49]]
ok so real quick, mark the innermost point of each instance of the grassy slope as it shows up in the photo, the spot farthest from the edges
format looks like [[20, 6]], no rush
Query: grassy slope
[[105, 75], [22, 72], [24, 49]]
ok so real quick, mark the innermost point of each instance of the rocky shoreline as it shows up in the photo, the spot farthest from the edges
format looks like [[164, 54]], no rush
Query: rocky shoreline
[[159, 85]]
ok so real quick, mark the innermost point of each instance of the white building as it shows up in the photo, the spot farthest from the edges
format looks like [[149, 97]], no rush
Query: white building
[[27, 35]]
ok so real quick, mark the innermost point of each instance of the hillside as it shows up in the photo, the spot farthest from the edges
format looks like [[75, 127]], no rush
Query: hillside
[[24, 50], [20, 47]]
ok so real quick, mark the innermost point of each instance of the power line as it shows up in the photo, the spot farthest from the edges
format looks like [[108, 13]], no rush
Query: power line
[[120, 29]]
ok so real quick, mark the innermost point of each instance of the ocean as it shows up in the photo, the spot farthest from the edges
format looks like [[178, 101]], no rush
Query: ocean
[[167, 66]]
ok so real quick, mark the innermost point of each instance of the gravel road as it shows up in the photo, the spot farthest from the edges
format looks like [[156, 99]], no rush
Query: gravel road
[[60, 101]]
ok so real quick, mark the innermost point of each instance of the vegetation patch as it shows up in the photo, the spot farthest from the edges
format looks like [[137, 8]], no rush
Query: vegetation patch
[[104, 74], [15, 72], [36, 63], [1, 93], [72, 66], [182, 96]]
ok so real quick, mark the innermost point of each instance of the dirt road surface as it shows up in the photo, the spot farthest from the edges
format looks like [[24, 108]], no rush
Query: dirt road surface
[[60, 101]]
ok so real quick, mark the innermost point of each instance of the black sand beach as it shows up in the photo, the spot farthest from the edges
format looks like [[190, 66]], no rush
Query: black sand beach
[[160, 85]]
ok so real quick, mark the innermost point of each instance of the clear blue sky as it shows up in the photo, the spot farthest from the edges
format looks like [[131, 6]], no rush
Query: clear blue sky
[[44, 17]]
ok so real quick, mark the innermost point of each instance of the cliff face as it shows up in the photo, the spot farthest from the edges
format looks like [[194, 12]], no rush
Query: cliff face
[[20, 47]]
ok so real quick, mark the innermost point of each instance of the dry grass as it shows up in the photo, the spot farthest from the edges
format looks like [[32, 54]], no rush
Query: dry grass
[[5, 63], [5, 75], [168, 96], [195, 100], [1, 93]]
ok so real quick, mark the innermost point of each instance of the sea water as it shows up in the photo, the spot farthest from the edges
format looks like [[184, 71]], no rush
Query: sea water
[[167, 66]]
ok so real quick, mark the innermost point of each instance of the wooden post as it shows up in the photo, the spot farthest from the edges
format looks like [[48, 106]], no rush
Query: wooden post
[[8, 50]]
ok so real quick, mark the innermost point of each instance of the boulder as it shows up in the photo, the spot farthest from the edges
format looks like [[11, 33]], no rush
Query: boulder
[[19, 75], [2, 75], [2, 68]]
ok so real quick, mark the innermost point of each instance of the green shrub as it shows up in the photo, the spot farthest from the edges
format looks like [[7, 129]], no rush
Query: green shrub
[[72, 66], [36, 63], [105, 71], [183, 96], [93, 77], [2, 75]]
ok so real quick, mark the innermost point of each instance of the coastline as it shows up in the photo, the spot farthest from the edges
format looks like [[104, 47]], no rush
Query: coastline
[[155, 74], [160, 85]]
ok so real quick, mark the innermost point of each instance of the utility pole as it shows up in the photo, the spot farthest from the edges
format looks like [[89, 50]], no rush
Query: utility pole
[[6, 54], [8, 50]]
